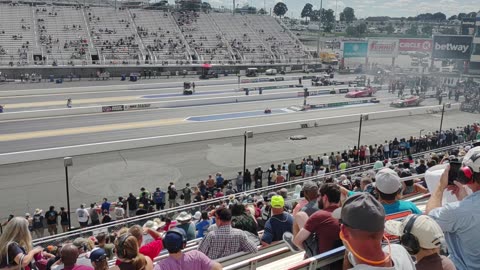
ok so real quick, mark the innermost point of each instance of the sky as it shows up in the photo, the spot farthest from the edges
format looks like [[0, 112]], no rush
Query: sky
[[365, 8]]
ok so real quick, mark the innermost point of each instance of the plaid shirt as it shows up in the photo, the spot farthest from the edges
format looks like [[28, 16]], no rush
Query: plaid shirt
[[225, 241]]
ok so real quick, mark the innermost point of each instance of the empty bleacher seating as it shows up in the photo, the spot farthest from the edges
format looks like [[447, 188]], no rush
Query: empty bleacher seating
[[17, 40], [74, 35]]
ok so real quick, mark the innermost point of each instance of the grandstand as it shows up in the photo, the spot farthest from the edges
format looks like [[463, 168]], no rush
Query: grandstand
[[86, 35], [277, 256]]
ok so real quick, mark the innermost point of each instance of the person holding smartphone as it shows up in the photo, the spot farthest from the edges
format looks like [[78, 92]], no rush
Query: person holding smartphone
[[460, 220]]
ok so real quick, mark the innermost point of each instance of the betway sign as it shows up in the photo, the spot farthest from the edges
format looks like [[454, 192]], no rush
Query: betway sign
[[382, 48], [415, 45], [452, 47]]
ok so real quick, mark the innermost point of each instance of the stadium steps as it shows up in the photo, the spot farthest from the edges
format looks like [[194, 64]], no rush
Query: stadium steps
[[91, 48], [142, 48]]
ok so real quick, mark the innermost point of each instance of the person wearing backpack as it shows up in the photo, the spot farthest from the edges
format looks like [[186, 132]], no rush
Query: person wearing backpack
[[37, 224], [94, 216], [187, 194], [172, 195], [52, 217], [159, 199]]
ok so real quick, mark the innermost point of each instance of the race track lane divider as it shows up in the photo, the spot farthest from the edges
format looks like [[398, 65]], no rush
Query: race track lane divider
[[99, 147]]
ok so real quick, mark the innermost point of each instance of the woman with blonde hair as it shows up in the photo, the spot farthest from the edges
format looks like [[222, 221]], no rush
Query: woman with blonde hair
[[126, 248], [16, 249]]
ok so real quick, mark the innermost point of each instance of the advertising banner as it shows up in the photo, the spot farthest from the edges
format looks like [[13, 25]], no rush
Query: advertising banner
[[136, 107], [383, 48], [355, 49], [452, 47], [415, 45], [114, 108]]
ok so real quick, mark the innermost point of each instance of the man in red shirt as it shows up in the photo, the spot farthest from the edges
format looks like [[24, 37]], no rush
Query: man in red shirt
[[321, 223], [151, 249]]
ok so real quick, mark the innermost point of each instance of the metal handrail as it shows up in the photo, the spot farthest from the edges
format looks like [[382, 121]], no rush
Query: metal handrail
[[170, 211], [336, 254]]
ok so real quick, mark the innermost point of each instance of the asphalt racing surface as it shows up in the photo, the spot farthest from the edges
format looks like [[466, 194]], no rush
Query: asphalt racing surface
[[39, 184]]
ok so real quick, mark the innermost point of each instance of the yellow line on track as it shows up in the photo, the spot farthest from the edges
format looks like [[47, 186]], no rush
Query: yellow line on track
[[64, 102], [88, 129]]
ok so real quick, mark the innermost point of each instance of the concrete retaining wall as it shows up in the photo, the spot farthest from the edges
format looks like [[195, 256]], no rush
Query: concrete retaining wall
[[92, 148], [188, 101]]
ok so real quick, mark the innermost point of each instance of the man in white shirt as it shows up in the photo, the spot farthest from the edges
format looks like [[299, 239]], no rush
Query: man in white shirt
[[82, 216], [326, 161], [119, 212]]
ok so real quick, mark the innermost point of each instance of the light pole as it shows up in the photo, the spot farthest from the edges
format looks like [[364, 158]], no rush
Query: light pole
[[305, 95], [319, 28], [441, 125], [247, 134], [67, 162], [359, 135]]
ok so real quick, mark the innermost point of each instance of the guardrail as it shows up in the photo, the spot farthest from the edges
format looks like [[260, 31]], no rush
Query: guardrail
[[333, 255], [75, 150], [114, 225]]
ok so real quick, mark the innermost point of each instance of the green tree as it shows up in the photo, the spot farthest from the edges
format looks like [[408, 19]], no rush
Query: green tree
[[342, 17], [389, 28], [356, 31], [280, 9], [427, 30], [472, 15], [413, 30], [448, 31], [461, 15], [362, 28], [453, 17], [349, 14], [328, 20], [190, 6], [351, 31], [206, 6], [262, 12], [439, 16], [307, 11]]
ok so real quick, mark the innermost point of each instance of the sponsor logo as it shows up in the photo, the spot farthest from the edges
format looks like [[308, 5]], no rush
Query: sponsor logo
[[137, 107], [115, 108], [382, 47], [452, 47], [421, 45]]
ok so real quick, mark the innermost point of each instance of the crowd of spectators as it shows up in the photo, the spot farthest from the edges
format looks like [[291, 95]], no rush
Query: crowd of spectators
[[216, 186], [367, 216]]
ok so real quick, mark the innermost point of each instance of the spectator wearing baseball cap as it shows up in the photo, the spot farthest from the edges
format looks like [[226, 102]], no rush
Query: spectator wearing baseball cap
[[279, 223], [175, 241], [460, 220], [362, 219], [98, 258], [388, 187], [310, 193], [422, 237]]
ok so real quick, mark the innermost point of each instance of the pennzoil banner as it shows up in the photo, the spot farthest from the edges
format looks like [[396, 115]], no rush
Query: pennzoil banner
[[383, 48]]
